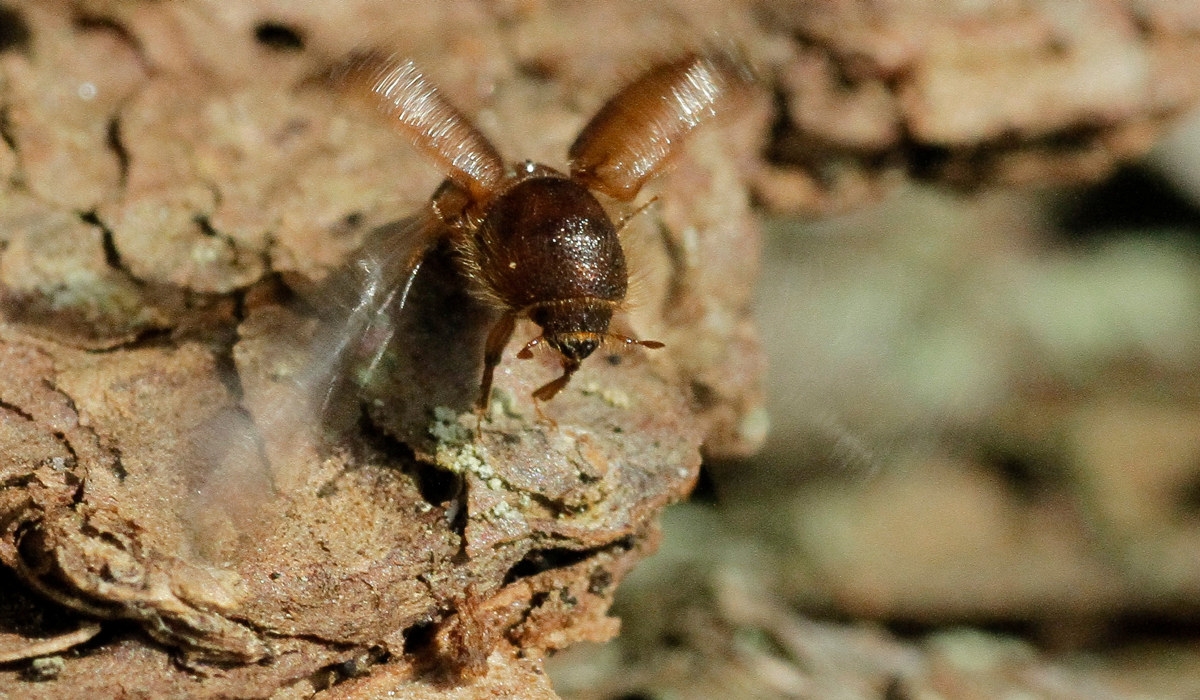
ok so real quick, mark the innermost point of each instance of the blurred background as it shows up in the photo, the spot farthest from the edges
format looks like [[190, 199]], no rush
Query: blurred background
[[983, 473]]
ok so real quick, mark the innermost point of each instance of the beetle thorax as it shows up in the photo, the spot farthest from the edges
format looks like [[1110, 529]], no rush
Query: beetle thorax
[[547, 240]]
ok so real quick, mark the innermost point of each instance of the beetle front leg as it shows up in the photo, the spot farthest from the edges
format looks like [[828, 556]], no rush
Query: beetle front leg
[[493, 350]]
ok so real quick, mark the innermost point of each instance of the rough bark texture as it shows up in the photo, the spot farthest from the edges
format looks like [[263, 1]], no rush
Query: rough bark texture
[[178, 198], [970, 94]]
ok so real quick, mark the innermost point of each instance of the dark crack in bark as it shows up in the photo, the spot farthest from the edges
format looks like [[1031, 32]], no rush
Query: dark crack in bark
[[14, 32]]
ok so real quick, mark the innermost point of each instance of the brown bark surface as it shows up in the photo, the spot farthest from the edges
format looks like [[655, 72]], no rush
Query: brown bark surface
[[970, 94], [182, 515]]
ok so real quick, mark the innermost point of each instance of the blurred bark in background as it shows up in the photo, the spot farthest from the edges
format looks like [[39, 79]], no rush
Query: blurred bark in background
[[176, 192]]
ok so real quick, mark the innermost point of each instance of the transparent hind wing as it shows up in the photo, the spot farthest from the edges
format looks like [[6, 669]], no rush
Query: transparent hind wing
[[358, 306]]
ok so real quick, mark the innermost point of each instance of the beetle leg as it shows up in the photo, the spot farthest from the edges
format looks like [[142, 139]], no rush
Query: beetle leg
[[547, 391], [493, 350], [624, 221]]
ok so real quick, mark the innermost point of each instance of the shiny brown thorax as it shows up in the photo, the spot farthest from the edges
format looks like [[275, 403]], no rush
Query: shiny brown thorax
[[548, 239]]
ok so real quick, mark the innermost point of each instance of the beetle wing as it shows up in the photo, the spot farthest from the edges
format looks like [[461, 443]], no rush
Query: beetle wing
[[634, 134], [360, 303], [417, 109]]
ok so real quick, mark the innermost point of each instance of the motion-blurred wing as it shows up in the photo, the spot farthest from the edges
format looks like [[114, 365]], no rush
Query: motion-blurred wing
[[359, 305], [634, 134], [396, 89]]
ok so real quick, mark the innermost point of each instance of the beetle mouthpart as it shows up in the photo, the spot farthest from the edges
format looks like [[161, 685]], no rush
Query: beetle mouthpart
[[574, 346]]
